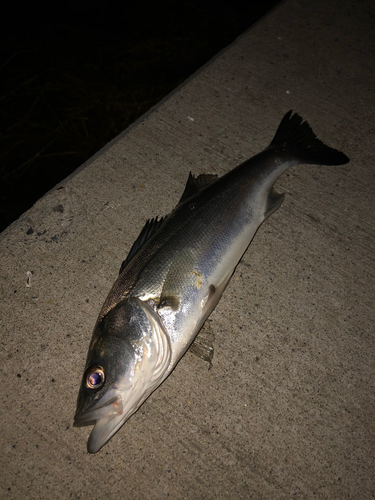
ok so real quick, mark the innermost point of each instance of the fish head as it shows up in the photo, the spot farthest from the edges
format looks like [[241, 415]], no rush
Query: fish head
[[128, 358]]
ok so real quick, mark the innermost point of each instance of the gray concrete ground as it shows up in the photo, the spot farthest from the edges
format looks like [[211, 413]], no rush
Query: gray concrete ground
[[287, 411]]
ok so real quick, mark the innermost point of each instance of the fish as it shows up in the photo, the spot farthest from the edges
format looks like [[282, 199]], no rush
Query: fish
[[175, 274]]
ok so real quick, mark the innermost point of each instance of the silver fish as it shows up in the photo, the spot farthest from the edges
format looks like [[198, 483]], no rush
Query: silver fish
[[175, 275]]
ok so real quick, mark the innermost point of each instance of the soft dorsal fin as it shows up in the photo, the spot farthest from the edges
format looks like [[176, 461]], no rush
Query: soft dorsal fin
[[149, 229], [196, 184]]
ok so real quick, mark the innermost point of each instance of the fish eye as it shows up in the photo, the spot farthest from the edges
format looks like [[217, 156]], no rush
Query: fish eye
[[94, 377]]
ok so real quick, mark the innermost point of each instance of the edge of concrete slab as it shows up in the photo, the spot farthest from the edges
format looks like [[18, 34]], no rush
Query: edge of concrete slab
[[160, 103]]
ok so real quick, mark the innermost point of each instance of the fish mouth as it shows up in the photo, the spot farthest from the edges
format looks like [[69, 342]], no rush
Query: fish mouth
[[106, 417], [108, 409]]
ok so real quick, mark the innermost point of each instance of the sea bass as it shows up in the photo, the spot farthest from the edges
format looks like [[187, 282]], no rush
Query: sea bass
[[175, 274]]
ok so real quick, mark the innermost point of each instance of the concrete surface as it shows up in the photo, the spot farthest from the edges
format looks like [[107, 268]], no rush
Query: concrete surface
[[287, 411]]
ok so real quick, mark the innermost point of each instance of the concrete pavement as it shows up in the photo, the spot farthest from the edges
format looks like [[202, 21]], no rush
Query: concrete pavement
[[287, 411]]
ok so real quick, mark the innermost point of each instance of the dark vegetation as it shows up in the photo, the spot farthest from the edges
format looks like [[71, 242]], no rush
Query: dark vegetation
[[74, 78]]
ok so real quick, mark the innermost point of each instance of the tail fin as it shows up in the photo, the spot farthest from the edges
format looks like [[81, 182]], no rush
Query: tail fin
[[299, 138]]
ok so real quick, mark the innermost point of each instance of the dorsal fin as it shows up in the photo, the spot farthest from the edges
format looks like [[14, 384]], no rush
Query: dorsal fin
[[196, 184], [193, 186], [149, 229]]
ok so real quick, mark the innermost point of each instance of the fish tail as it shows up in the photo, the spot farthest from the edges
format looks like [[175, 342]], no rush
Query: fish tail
[[298, 137]]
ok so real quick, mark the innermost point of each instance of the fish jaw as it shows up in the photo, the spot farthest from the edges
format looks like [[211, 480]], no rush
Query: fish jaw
[[106, 416], [109, 416], [148, 361]]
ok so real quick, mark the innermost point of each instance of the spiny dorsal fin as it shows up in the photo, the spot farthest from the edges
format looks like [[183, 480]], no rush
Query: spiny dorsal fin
[[149, 229], [196, 184], [193, 186]]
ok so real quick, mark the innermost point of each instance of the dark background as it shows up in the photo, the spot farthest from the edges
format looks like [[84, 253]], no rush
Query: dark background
[[74, 77]]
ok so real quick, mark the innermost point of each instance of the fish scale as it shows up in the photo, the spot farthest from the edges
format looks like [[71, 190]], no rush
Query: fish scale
[[175, 274]]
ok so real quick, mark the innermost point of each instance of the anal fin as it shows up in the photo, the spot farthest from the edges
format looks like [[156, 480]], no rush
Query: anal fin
[[274, 201]]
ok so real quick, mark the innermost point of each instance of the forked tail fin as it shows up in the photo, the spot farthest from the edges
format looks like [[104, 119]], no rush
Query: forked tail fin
[[298, 137]]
